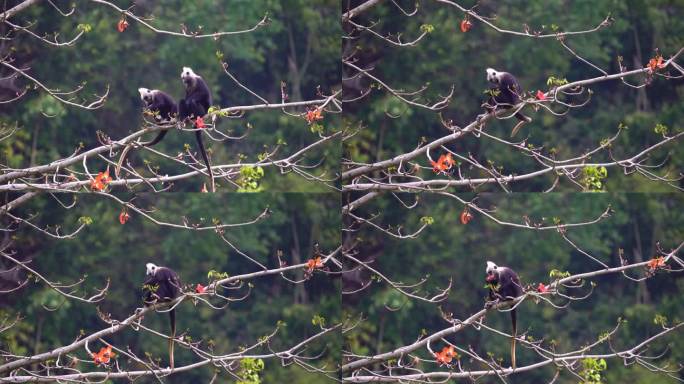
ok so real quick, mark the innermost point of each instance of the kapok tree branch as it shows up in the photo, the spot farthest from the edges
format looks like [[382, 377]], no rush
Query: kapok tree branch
[[360, 9], [140, 312], [74, 186], [16, 9], [361, 170], [428, 185], [63, 163], [557, 35], [427, 376], [86, 376], [459, 326], [128, 13]]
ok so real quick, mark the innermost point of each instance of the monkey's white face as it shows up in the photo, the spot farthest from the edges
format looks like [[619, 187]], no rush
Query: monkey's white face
[[492, 76], [187, 76], [491, 267], [492, 273], [146, 95], [151, 268]]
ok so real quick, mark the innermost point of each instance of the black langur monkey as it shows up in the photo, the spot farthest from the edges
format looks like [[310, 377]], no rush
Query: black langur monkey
[[162, 285], [164, 110], [196, 104], [504, 285], [162, 106], [508, 92]]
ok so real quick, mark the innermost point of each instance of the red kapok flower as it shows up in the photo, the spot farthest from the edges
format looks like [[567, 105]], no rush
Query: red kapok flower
[[200, 288], [123, 217], [466, 216], [199, 123], [122, 25], [443, 164], [314, 263], [101, 180], [542, 288], [104, 356], [313, 115], [656, 262], [437, 166], [655, 63], [446, 355], [466, 25], [442, 358], [449, 161], [541, 95], [96, 185]]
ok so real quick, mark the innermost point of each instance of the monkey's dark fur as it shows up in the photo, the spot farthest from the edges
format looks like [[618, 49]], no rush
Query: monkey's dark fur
[[196, 103], [507, 94], [504, 286], [162, 105], [162, 285], [164, 109]]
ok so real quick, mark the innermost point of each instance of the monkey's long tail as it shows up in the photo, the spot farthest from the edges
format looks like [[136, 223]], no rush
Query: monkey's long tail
[[515, 334], [523, 120], [117, 170], [198, 134], [127, 148], [172, 318], [157, 139]]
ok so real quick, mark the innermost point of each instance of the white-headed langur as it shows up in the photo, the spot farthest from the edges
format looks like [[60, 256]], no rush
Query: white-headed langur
[[196, 103], [506, 94], [164, 111], [504, 285], [162, 285], [163, 108]]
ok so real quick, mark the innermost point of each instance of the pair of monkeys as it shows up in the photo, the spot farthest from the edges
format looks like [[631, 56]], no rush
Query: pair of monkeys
[[198, 100], [195, 105]]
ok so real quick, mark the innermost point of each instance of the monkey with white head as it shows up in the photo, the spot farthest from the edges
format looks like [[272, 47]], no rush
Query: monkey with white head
[[195, 105], [506, 93], [504, 285], [164, 111], [161, 285]]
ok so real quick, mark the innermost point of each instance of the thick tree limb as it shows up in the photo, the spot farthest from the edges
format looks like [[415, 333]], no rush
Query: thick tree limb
[[17, 8], [360, 9], [364, 169], [457, 327]]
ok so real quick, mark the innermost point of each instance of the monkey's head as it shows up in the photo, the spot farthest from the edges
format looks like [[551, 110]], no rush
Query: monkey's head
[[492, 273], [493, 76], [146, 95], [151, 269], [188, 77]]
